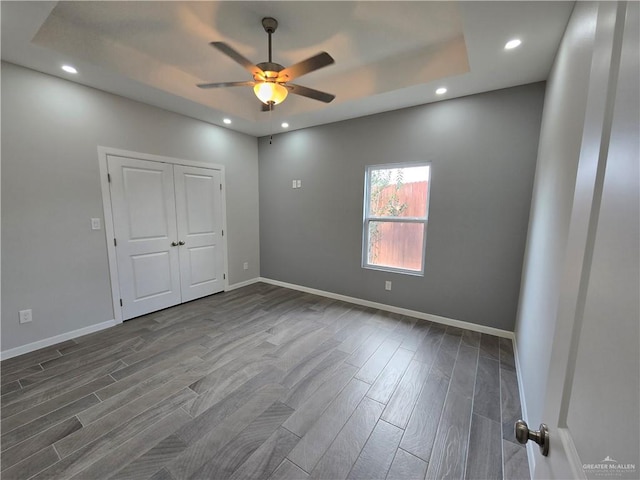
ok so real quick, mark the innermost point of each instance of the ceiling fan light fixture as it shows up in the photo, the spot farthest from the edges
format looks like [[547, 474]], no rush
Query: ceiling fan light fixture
[[270, 92]]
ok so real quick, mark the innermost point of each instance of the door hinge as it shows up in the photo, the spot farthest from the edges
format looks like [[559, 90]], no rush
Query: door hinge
[[115, 242], [120, 302], [224, 276], [223, 233], [220, 186], [109, 177]]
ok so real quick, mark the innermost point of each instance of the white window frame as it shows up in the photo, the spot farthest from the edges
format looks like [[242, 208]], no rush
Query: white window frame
[[367, 218]]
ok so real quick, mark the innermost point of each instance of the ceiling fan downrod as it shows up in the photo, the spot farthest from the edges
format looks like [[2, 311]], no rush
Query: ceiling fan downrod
[[270, 25]]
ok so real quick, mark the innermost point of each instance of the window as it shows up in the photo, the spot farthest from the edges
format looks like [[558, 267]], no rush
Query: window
[[396, 207]]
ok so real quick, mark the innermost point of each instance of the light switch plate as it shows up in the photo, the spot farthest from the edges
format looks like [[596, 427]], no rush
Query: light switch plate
[[95, 224], [25, 316], [299, 183]]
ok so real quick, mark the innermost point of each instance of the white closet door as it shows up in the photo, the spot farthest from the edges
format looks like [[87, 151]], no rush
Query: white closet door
[[144, 217], [199, 209]]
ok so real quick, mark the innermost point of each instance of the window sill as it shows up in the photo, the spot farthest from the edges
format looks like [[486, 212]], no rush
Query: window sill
[[381, 268]]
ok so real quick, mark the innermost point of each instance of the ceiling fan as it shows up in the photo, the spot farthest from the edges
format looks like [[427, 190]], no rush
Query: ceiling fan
[[271, 80]]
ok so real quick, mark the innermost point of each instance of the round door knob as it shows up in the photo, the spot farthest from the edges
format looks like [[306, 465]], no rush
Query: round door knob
[[174, 244], [541, 437], [180, 242], [522, 431]]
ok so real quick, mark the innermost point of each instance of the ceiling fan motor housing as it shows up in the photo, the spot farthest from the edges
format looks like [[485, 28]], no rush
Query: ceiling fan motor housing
[[270, 70], [270, 24]]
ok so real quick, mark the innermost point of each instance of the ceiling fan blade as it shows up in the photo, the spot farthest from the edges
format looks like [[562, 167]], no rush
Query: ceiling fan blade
[[226, 84], [310, 93], [311, 64], [235, 56]]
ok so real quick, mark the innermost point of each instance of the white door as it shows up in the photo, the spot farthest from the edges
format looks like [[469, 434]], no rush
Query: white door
[[199, 213], [592, 403], [144, 218]]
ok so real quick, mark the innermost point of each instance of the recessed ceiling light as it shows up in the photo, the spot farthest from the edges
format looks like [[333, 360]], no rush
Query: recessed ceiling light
[[69, 69], [441, 91], [285, 125], [512, 44], [227, 121]]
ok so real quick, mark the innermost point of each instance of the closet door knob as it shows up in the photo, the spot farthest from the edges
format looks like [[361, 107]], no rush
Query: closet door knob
[[180, 242], [174, 244]]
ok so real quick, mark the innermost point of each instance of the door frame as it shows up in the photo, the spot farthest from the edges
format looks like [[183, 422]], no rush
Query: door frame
[[604, 24], [609, 31], [103, 153]]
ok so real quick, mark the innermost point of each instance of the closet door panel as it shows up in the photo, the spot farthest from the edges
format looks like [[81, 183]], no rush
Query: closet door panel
[[199, 218], [144, 216]]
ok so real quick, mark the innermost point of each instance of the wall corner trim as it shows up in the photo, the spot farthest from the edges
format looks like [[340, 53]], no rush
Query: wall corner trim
[[47, 342], [390, 308]]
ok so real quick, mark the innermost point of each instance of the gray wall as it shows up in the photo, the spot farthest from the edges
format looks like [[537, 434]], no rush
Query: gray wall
[[483, 152], [553, 193], [52, 262]]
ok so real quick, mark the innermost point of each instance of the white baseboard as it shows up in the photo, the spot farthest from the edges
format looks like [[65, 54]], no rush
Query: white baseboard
[[246, 283], [47, 342], [390, 308], [30, 347]]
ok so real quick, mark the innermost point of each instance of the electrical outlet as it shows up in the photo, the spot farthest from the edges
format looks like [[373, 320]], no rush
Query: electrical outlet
[[387, 285], [25, 316], [246, 265]]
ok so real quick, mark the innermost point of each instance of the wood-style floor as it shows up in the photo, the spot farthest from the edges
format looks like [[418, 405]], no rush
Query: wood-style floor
[[264, 383]]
